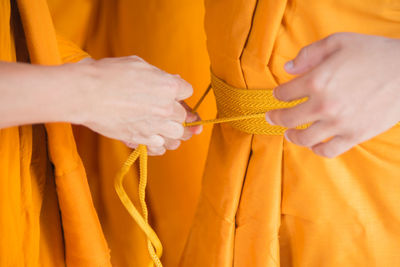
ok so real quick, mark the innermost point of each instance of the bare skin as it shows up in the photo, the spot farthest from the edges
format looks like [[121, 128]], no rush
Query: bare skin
[[121, 98], [352, 83]]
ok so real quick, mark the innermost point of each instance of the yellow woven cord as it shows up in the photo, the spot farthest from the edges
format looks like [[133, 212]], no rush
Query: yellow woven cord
[[153, 243], [244, 109]]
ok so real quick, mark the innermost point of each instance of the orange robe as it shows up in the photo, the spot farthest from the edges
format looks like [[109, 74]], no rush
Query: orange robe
[[47, 217], [72, 18], [169, 34], [266, 202]]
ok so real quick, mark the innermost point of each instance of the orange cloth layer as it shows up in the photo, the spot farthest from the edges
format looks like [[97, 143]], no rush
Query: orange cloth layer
[[169, 34], [72, 18], [47, 217], [266, 202]]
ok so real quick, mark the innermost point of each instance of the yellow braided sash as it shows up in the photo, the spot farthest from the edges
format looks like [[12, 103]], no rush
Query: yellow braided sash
[[244, 109]]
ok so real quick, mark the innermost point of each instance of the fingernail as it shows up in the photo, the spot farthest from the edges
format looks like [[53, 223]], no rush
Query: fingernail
[[196, 129], [191, 117], [289, 65], [268, 119], [274, 93], [199, 130], [287, 137]]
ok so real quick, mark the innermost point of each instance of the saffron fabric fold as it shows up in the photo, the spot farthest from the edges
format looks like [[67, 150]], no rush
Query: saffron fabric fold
[[170, 35], [47, 217], [267, 202]]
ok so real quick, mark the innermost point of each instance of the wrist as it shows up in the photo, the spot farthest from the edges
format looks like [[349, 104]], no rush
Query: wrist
[[80, 94]]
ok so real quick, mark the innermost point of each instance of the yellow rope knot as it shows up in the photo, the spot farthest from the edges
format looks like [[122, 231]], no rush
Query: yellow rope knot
[[244, 109]]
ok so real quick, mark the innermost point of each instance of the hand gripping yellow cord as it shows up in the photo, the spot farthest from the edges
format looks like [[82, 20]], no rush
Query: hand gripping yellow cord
[[244, 109]]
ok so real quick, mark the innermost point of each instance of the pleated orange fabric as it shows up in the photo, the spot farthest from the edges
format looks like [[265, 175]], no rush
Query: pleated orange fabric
[[169, 34], [47, 217], [266, 202], [72, 18]]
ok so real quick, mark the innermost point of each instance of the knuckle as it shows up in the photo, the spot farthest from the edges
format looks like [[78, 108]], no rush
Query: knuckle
[[168, 111], [327, 109], [335, 151], [315, 84], [351, 136], [336, 124], [187, 89], [182, 113], [304, 52], [179, 87], [140, 140], [164, 109], [137, 132], [146, 130], [324, 108], [279, 118], [302, 139], [274, 117], [156, 150], [336, 38], [323, 151], [173, 87], [184, 86], [159, 152], [278, 93], [174, 145], [179, 131], [131, 145], [133, 140], [156, 141], [173, 130], [286, 120], [186, 135], [330, 153]]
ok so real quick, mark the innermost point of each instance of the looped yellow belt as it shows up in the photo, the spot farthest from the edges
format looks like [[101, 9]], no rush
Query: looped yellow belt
[[244, 109]]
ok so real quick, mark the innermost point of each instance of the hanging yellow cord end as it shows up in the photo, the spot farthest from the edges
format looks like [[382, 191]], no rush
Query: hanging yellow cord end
[[153, 243]]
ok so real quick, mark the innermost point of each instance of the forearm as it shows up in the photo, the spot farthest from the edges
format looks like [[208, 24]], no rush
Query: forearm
[[31, 94], [122, 98]]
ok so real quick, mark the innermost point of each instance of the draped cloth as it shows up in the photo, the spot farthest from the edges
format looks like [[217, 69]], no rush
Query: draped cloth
[[266, 202], [47, 217], [170, 35]]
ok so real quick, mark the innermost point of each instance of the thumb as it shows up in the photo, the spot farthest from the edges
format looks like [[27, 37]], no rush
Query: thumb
[[312, 55]]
